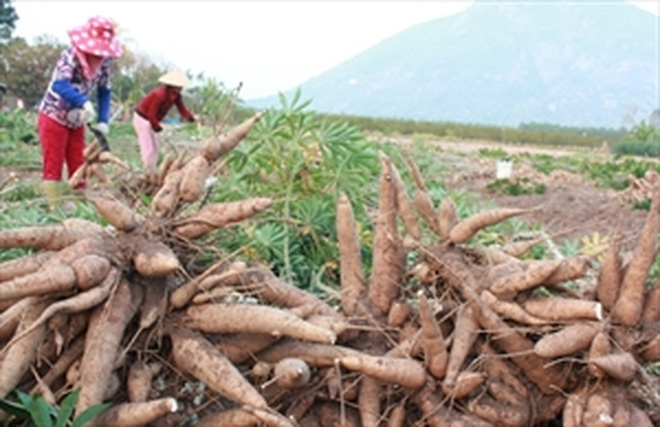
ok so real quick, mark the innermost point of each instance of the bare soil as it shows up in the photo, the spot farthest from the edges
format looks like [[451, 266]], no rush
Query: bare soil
[[570, 207]]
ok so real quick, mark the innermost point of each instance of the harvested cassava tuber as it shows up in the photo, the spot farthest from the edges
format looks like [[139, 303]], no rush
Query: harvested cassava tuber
[[353, 283], [137, 413], [57, 278], [468, 227], [404, 205], [569, 340], [90, 270], [218, 215], [138, 382], [75, 304], [291, 373], [233, 318], [52, 237], [154, 259], [447, 217], [195, 355], [557, 308], [389, 256], [102, 343], [167, 198], [218, 146], [20, 355], [435, 347], [511, 310], [22, 266], [465, 383], [620, 366], [405, 372], [530, 275], [194, 177], [609, 275], [118, 214], [630, 302], [399, 313], [600, 346]]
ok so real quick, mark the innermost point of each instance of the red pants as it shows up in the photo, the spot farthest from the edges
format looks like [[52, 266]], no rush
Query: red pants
[[59, 144]]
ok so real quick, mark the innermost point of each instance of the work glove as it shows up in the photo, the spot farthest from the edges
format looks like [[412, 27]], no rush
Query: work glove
[[88, 113], [82, 115], [102, 127]]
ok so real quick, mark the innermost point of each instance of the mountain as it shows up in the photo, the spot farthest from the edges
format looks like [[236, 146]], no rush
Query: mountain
[[503, 63]]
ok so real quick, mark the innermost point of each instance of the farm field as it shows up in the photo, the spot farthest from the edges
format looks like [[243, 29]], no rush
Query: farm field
[[326, 278]]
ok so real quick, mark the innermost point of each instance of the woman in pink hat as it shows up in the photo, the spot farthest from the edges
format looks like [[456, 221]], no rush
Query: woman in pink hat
[[66, 106]]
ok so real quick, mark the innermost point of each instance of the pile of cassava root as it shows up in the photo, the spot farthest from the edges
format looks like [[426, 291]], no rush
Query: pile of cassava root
[[461, 336]]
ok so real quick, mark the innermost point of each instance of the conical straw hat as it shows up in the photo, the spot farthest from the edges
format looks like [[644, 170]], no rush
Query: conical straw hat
[[175, 78]]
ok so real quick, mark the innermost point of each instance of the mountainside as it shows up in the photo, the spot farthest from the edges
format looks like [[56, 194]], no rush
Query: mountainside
[[588, 65]]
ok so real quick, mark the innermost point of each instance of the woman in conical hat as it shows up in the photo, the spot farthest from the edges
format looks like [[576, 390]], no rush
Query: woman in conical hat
[[153, 108], [67, 107]]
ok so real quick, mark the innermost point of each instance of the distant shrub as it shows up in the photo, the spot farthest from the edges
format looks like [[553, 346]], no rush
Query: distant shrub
[[637, 148], [492, 154], [517, 187], [644, 205], [548, 135]]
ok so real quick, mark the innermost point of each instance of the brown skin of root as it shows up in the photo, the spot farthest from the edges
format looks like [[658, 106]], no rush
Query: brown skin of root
[[194, 354]]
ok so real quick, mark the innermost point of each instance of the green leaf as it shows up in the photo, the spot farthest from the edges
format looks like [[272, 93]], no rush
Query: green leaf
[[40, 412], [89, 414], [14, 408], [66, 408], [24, 398]]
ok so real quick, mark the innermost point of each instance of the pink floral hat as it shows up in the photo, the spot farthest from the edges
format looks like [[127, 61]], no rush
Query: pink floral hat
[[96, 37]]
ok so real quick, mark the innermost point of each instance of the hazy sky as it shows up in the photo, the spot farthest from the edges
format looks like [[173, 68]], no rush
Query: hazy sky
[[270, 46]]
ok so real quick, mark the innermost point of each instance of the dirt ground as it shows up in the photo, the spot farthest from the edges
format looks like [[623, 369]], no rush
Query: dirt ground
[[570, 207]]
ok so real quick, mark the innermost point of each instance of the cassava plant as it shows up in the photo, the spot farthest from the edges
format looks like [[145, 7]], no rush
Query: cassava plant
[[300, 161]]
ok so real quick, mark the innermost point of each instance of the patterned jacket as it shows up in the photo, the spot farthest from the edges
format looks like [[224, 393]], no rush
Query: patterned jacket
[[69, 89]]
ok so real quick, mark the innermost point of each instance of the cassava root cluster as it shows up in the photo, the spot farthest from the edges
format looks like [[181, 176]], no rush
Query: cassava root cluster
[[460, 336]]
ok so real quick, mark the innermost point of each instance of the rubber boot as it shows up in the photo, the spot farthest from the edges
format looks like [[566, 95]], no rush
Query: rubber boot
[[53, 192]]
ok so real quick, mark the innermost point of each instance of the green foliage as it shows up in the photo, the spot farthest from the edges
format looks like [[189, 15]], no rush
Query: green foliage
[[643, 205], [654, 272], [600, 132], [27, 68], [516, 187], [645, 132], [606, 174], [35, 411], [637, 148], [570, 248], [302, 162], [492, 154], [211, 100], [17, 126], [22, 191], [642, 140], [29, 212], [653, 368], [615, 174], [546, 163], [8, 19], [548, 135]]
